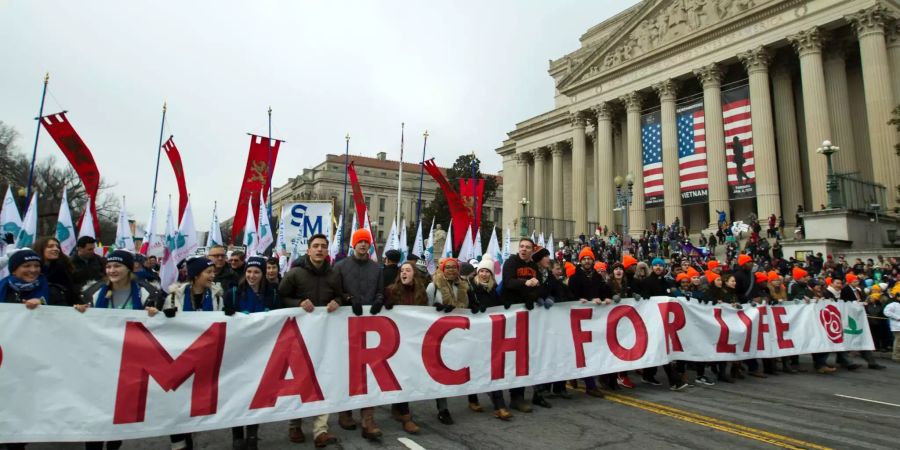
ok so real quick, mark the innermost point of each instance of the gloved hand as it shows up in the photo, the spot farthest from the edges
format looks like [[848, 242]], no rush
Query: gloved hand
[[375, 309], [357, 309], [474, 306], [616, 298], [388, 305], [449, 308], [229, 311], [529, 304], [170, 313], [548, 302], [637, 297], [439, 307], [506, 304]]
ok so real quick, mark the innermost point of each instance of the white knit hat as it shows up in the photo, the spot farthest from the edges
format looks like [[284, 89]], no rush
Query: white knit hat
[[486, 263]]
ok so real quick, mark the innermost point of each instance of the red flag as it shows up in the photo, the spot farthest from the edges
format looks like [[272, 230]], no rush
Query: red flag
[[257, 178], [357, 194], [472, 192], [458, 210], [60, 129], [175, 159]]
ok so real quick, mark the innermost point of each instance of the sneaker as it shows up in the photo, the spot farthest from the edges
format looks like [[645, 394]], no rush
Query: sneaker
[[852, 367], [705, 381], [876, 366], [540, 401], [624, 381], [651, 381], [678, 386], [503, 414], [826, 370]]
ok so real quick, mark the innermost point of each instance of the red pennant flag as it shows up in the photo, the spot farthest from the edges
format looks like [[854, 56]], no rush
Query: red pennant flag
[[175, 159], [458, 210], [60, 129], [357, 194], [257, 178], [472, 192]]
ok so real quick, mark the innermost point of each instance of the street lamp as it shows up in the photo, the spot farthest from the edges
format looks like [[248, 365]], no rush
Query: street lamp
[[623, 200], [831, 184], [523, 226]]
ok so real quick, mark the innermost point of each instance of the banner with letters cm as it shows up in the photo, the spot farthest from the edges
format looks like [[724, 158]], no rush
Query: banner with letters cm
[[302, 220], [110, 374]]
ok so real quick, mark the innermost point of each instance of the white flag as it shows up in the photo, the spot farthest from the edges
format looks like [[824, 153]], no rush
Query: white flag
[[533, 239], [335, 246], [476, 245], [540, 240], [250, 237], [168, 271], [373, 252], [404, 244], [29, 226], [429, 250], [186, 242], [10, 219], [151, 240], [87, 222], [65, 231], [467, 251], [124, 238], [448, 244], [506, 246], [214, 237], [393, 241], [550, 247], [265, 228], [280, 246], [493, 250], [419, 246]]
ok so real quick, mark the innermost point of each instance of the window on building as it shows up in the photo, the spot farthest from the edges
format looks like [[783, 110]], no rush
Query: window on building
[[380, 235], [366, 172], [368, 202], [384, 174], [381, 221], [380, 205]]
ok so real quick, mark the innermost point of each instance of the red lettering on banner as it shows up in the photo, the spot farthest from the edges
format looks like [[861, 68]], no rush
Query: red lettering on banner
[[376, 357], [289, 353], [748, 326], [144, 357], [431, 351], [640, 333], [722, 346], [762, 328], [671, 328], [579, 336], [500, 344], [781, 327]]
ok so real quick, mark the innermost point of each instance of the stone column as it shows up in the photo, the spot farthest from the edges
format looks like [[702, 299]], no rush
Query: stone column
[[893, 43], [579, 187], [556, 200], [815, 109], [869, 25], [522, 191], [765, 162], [604, 173], [671, 175], [539, 186], [637, 218], [791, 180], [711, 77], [839, 108]]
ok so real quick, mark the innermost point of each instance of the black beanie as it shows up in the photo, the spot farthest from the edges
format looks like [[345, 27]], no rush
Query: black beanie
[[122, 257], [196, 266], [21, 257]]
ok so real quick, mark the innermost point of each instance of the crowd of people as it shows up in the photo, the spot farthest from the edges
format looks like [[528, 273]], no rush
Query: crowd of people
[[601, 270]]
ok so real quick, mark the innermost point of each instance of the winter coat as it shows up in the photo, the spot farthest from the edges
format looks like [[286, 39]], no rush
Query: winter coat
[[746, 286], [361, 281], [305, 281], [99, 295], [406, 295], [389, 274], [42, 292], [486, 295], [515, 273], [61, 281], [175, 300], [227, 277], [848, 293], [588, 284], [87, 270], [238, 299], [892, 312], [445, 292]]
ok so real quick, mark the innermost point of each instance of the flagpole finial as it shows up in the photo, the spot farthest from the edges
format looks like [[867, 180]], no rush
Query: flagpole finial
[[347, 137], [46, 77], [425, 135], [164, 105], [270, 110]]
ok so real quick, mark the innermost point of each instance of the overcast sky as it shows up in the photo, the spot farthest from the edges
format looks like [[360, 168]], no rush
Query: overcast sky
[[465, 70]]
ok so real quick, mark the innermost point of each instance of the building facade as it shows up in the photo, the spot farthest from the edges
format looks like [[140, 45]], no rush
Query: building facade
[[809, 71], [378, 179]]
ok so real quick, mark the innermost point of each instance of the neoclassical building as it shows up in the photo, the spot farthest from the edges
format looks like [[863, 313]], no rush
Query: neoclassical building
[[810, 71]]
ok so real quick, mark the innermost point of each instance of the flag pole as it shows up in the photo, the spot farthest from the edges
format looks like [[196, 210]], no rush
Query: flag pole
[[37, 134], [162, 125], [346, 171], [269, 166], [400, 174], [475, 225], [421, 178]]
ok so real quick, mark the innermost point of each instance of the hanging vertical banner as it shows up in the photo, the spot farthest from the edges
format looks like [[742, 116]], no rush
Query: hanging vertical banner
[[692, 169], [358, 199], [651, 143], [300, 221], [175, 159], [257, 177], [472, 192], [458, 212], [739, 143], [79, 156]]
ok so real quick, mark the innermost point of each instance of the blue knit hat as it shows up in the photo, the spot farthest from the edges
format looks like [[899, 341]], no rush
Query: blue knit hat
[[257, 261], [658, 262], [122, 257], [21, 257], [196, 266]]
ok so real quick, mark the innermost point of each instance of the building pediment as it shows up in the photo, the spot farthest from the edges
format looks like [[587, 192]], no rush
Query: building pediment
[[656, 26]]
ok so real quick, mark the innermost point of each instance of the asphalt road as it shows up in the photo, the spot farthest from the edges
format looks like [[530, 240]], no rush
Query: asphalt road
[[859, 409]]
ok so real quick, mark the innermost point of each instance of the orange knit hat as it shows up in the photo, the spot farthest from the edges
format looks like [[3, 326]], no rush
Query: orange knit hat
[[585, 253], [570, 269], [712, 264], [711, 276], [851, 278], [692, 272], [798, 273], [744, 259], [599, 265], [628, 261], [681, 277], [361, 234], [761, 277], [773, 275]]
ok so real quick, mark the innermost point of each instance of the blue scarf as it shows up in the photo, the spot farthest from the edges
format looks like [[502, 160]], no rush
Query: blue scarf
[[38, 289], [189, 300], [103, 301], [250, 302]]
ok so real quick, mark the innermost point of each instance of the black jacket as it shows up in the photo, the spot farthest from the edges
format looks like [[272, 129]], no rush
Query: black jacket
[[227, 278], [651, 286], [515, 273], [87, 270], [389, 274], [486, 297], [589, 285], [746, 286], [305, 281]]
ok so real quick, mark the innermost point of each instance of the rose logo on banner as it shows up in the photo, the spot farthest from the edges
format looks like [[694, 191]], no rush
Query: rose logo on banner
[[830, 317]]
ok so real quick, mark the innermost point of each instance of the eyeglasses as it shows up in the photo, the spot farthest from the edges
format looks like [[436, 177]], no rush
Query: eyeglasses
[[217, 256]]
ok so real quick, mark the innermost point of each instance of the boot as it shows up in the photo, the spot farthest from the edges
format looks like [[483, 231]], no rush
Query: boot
[[786, 367], [345, 420], [503, 414], [239, 444], [395, 414], [408, 425], [252, 443], [370, 431], [325, 439], [295, 433]]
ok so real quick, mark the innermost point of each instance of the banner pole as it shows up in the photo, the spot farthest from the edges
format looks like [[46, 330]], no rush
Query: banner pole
[[400, 174], [421, 178], [346, 171], [269, 167], [162, 125], [37, 134]]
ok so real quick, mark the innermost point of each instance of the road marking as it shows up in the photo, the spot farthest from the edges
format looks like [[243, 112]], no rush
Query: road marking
[[710, 422], [867, 400], [410, 444]]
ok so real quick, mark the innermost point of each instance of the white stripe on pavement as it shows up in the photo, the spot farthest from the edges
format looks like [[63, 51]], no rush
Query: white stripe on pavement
[[867, 400], [408, 443]]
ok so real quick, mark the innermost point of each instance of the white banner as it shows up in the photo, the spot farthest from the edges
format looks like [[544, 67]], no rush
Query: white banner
[[302, 220], [112, 374]]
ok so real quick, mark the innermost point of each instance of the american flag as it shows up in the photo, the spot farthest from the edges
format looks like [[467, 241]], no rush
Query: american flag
[[692, 168], [651, 139], [736, 118]]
